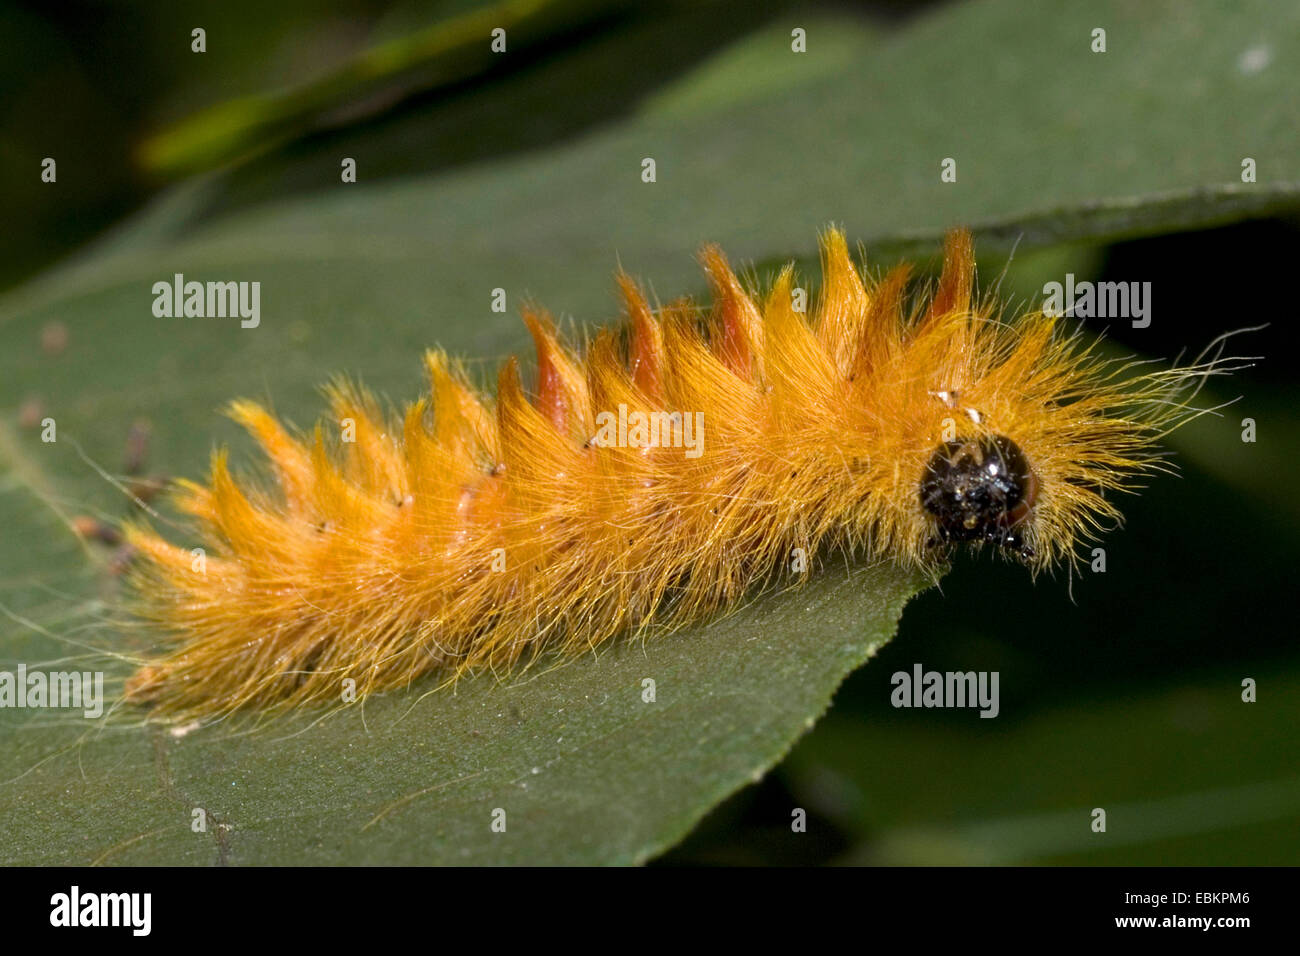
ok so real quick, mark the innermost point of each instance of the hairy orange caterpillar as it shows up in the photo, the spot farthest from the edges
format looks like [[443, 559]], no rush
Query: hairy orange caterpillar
[[473, 533]]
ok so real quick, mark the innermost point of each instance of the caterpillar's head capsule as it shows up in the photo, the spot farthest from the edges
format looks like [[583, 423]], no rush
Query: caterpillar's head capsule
[[980, 489]]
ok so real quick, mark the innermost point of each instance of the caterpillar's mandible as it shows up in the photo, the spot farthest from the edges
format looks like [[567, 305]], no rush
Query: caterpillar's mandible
[[655, 477]]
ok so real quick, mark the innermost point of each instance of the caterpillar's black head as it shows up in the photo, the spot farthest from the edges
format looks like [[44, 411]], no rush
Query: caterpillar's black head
[[980, 489]]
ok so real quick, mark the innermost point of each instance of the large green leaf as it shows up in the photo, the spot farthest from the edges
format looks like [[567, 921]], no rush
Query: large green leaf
[[1051, 140], [585, 768]]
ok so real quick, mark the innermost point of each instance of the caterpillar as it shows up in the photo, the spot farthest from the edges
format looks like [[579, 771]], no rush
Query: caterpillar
[[469, 533]]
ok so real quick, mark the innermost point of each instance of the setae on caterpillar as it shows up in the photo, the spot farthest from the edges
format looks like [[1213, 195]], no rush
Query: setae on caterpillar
[[654, 479]]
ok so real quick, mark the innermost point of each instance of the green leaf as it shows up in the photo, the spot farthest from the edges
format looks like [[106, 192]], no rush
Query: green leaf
[[585, 768], [1051, 140], [444, 53], [1122, 750]]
